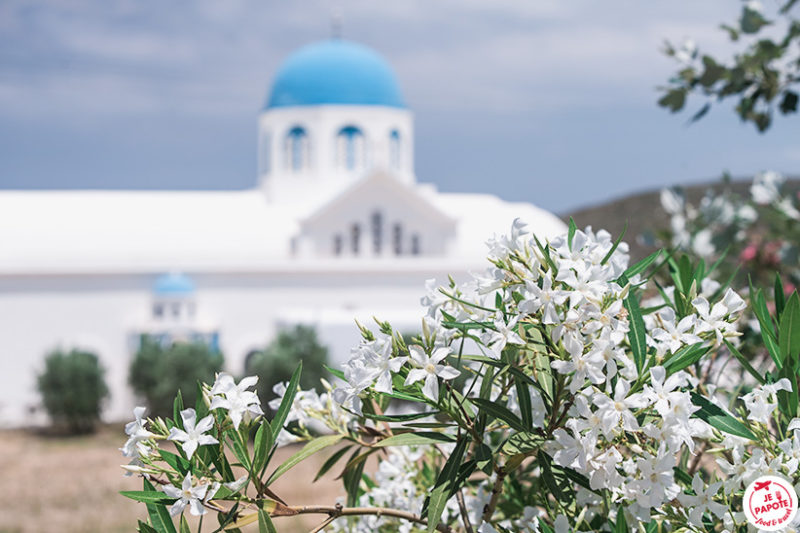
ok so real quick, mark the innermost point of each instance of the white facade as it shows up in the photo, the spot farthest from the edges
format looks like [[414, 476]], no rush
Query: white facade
[[337, 229]]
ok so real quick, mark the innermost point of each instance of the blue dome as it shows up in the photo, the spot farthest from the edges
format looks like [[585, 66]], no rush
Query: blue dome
[[335, 72], [173, 284]]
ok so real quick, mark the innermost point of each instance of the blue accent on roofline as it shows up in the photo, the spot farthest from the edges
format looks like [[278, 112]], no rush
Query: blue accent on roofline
[[335, 72], [173, 284]]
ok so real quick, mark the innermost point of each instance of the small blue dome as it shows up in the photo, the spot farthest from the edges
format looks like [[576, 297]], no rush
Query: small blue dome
[[173, 284], [335, 72]]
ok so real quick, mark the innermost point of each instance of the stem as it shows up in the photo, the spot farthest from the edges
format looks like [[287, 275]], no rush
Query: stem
[[497, 488], [338, 510], [696, 458], [464, 514]]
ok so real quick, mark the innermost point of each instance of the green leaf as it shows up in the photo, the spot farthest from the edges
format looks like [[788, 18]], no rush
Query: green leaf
[[184, 525], [239, 447], [262, 446], [642, 265], [331, 461], [523, 443], [444, 486], [265, 524], [759, 305], [571, 232], [636, 334], [787, 400], [352, 476], [399, 418], [616, 244], [525, 407], [622, 525], [414, 439], [744, 362], [286, 403], [146, 528], [177, 407], [177, 462], [158, 513], [719, 418], [320, 443], [500, 412], [780, 296], [789, 332], [147, 496], [673, 100], [688, 355]]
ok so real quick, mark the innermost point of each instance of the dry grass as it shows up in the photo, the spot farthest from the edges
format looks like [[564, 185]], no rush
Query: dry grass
[[72, 484]]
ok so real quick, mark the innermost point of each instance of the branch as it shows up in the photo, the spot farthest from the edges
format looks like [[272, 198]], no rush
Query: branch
[[338, 510], [488, 511]]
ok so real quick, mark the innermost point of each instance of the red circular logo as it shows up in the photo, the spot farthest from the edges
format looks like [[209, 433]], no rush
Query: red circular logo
[[770, 503]]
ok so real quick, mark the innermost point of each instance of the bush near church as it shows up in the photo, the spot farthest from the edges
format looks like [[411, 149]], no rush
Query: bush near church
[[276, 363], [157, 372], [73, 388]]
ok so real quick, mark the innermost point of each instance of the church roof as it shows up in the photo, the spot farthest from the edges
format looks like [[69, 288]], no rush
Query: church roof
[[334, 72], [117, 232]]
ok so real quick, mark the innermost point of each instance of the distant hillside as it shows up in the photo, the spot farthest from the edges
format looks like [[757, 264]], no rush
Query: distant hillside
[[643, 212]]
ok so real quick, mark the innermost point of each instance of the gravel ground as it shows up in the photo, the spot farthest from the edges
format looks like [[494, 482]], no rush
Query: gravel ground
[[72, 484]]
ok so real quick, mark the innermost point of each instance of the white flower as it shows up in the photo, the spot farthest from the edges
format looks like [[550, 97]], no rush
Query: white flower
[[672, 336], [702, 499], [503, 334], [661, 391], [187, 495], [192, 435], [137, 434], [430, 370], [382, 364], [238, 401], [766, 187], [758, 402], [545, 298], [616, 410], [673, 200], [584, 365]]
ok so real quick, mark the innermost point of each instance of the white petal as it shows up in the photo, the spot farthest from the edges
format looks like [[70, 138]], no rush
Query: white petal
[[431, 388]]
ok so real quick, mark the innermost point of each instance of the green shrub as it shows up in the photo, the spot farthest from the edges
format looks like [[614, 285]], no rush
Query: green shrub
[[278, 360], [156, 372], [73, 388]]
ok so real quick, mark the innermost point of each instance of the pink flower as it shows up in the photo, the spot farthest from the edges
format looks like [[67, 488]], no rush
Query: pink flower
[[749, 253]]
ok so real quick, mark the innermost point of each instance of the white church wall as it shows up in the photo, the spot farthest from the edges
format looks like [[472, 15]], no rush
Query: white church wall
[[103, 313]]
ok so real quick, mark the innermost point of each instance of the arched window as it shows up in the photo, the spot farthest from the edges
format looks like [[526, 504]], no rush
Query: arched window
[[377, 231], [355, 238], [397, 238], [415, 245], [395, 157], [297, 150], [350, 148]]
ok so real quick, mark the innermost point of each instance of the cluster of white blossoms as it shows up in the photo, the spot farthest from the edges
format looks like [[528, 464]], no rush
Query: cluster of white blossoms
[[234, 400], [547, 394], [575, 291]]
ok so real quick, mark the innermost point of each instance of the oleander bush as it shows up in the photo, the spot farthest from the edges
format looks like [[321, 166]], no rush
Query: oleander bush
[[73, 388], [594, 399]]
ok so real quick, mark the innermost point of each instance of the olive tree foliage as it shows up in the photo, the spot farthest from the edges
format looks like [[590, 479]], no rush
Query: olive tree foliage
[[762, 76], [73, 389], [277, 362], [157, 372]]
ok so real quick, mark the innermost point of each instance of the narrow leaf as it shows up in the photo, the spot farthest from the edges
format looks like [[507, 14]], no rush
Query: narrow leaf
[[265, 524], [320, 443], [414, 439], [719, 418], [636, 334], [500, 412], [286, 403]]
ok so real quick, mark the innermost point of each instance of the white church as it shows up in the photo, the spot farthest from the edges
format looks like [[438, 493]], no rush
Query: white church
[[337, 228]]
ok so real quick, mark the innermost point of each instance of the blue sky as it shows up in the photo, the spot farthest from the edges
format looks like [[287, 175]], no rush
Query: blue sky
[[548, 101]]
